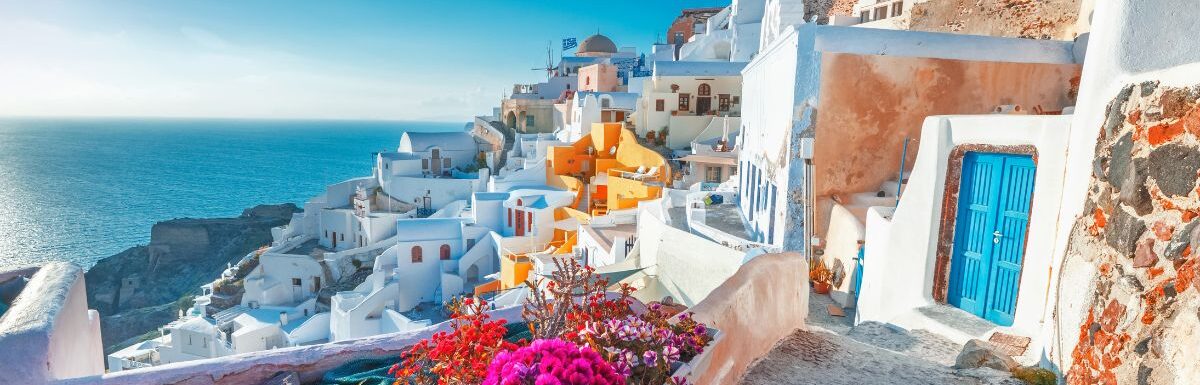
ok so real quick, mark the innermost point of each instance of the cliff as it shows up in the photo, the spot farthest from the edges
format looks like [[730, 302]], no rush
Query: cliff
[[136, 290]]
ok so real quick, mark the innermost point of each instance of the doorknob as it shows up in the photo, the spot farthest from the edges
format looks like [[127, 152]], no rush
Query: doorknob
[[996, 236]]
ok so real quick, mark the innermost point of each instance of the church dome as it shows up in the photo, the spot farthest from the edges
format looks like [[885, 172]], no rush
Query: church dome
[[597, 44]]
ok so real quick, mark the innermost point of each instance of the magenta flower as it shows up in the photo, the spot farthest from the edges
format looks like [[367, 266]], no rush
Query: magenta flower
[[552, 362]]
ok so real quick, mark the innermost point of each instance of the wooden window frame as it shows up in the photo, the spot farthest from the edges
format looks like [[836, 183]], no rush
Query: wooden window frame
[[418, 255]]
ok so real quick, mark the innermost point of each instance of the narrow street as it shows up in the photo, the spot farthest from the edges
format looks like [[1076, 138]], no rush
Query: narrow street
[[833, 352]]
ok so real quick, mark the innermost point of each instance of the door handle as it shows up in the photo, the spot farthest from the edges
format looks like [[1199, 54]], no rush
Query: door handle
[[996, 236]]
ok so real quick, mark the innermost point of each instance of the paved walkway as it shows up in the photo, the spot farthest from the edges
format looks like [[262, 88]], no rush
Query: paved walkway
[[832, 352]]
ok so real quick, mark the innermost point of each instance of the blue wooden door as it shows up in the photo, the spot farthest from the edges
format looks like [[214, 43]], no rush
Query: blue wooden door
[[989, 238]]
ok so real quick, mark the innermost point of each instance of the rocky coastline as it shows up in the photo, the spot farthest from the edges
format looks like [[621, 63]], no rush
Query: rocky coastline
[[144, 287]]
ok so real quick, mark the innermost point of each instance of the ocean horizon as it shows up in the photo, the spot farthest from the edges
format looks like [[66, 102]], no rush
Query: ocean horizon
[[81, 189]]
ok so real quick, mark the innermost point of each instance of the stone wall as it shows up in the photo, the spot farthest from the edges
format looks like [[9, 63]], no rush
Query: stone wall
[[1034, 19], [1140, 232]]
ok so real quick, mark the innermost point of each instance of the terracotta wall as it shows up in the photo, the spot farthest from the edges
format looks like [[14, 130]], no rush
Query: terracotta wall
[[763, 302], [869, 103]]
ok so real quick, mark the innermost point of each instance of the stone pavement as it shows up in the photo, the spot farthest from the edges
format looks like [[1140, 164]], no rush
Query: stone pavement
[[832, 352]]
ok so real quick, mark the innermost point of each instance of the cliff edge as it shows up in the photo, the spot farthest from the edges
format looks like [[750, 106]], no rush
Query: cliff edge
[[142, 288]]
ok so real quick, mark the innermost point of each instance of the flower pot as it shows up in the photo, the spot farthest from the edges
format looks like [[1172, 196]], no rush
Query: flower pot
[[821, 287]]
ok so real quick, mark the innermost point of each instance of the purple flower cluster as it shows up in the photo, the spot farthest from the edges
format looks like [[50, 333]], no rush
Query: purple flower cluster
[[552, 362], [636, 345]]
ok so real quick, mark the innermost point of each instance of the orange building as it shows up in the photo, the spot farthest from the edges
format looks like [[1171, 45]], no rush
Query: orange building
[[607, 169], [684, 26]]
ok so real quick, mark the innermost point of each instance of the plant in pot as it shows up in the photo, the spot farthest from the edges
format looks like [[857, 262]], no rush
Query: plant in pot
[[820, 277]]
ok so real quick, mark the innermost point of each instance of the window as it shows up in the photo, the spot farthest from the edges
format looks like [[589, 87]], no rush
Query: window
[[685, 102], [326, 233], [660, 105], [881, 12], [865, 16], [436, 153], [679, 38], [713, 174], [295, 281], [416, 254], [425, 164], [723, 102], [736, 99], [529, 121], [446, 162], [343, 237], [509, 217], [529, 221], [445, 252], [897, 8], [587, 81], [605, 103], [704, 90], [470, 243]]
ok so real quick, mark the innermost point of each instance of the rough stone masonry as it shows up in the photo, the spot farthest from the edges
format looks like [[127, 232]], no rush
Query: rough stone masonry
[[1141, 234]]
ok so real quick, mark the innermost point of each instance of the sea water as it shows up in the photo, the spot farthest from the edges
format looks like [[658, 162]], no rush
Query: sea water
[[82, 189]]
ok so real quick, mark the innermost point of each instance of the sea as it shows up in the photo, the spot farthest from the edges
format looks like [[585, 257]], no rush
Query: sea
[[79, 190]]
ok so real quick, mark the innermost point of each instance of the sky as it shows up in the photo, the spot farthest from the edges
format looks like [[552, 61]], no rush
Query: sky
[[432, 60]]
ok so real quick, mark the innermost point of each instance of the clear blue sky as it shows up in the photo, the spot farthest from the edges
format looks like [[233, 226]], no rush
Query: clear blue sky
[[410, 60]]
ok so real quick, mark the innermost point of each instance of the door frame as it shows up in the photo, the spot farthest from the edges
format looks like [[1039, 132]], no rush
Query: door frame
[[949, 215], [707, 102]]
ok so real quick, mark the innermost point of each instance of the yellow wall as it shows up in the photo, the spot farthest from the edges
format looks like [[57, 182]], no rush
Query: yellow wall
[[514, 270]]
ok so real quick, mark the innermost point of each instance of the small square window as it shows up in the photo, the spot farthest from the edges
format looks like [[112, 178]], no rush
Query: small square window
[[295, 281], [660, 105]]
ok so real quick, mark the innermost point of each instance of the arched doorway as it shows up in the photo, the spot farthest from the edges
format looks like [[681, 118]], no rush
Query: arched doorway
[[703, 99], [510, 120]]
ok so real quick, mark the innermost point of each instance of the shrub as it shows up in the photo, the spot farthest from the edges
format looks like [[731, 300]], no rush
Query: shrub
[[1035, 376], [459, 356]]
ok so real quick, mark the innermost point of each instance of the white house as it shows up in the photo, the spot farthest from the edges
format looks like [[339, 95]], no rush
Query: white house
[[682, 98], [432, 260], [596, 107], [808, 142], [712, 160]]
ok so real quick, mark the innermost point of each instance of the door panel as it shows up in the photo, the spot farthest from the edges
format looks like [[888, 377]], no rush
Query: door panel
[[1013, 224], [970, 263], [989, 245]]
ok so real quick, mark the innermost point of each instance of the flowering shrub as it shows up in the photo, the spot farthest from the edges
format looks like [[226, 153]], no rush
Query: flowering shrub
[[647, 348], [584, 335], [459, 356], [573, 297], [552, 362]]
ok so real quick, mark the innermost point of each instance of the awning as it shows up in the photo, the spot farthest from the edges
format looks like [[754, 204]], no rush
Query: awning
[[708, 159]]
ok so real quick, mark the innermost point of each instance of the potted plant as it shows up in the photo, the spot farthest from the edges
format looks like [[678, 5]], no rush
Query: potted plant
[[820, 277]]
